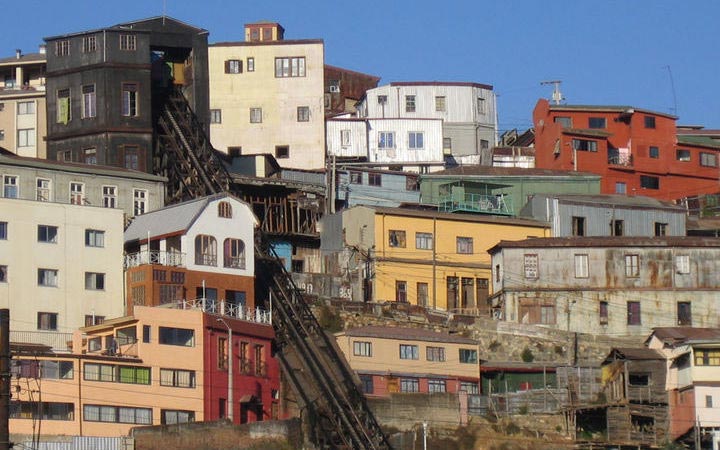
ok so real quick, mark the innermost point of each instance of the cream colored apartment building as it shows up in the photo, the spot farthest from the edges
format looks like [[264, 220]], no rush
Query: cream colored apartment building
[[267, 97]]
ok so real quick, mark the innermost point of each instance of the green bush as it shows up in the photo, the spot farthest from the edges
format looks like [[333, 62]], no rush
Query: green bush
[[527, 355]]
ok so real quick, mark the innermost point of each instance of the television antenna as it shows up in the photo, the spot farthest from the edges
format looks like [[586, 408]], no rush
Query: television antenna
[[557, 96]]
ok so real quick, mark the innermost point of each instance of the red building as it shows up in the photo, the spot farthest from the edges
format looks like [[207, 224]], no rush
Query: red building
[[636, 151]]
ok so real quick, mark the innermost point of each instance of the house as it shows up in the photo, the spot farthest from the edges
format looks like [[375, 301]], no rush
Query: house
[[606, 215], [160, 366], [344, 88], [22, 103], [60, 267], [467, 111], [392, 359], [108, 86], [41, 180], [606, 285], [200, 249], [267, 96], [362, 186], [636, 151], [422, 257]]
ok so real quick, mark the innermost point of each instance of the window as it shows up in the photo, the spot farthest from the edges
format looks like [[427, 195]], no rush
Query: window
[[422, 294], [708, 159], [661, 229], [603, 312], [215, 116], [468, 356], [303, 113], [654, 152], [109, 194], [251, 64], [3, 230], [396, 238], [597, 122], [386, 139], [440, 103], [117, 414], [233, 66], [90, 156], [620, 187], [537, 311], [56, 370], [139, 201], [470, 388], [3, 274], [146, 333], [25, 108], [401, 291], [177, 336], [408, 351], [63, 106], [480, 105], [173, 417], [225, 210], [708, 401], [565, 122], [355, 177], [255, 115], [530, 266], [435, 354], [633, 313], [94, 238], [632, 266], [345, 138], [682, 155], [684, 314], [89, 108], [584, 145], [707, 357], [205, 250], [89, 44], [64, 155], [127, 42], [484, 144], [409, 103], [282, 151], [617, 227], [424, 241], [649, 122], [2, 133], [415, 140], [581, 266], [234, 253], [366, 384], [94, 281], [382, 99], [130, 99], [374, 179], [435, 386], [42, 410], [47, 233], [177, 378], [409, 385], [682, 264], [77, 193], [62, 48], [10, 186], [290, 67], [131, 157], [464, 245], [26, 137], [447, 143], [578, 226], [361, 348], [91, 319], [46, 321]]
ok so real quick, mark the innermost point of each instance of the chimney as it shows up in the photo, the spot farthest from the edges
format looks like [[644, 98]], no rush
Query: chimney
[[18, 53], [42, 49]]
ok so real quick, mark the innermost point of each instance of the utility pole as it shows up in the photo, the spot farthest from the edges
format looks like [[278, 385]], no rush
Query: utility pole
[[557, 96], [5, 443]]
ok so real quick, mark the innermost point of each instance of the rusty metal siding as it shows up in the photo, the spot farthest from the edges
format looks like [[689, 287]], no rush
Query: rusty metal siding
[[83, 443]]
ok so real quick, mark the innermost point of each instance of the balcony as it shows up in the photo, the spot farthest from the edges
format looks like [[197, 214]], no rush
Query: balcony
[[173, 259], [477, 203], [223, 308], [615, 158], [58, 342]]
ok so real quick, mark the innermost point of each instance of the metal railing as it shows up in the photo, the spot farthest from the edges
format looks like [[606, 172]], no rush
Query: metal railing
[[223, 308], [174, 259], [482, 203], [59, 342], [617, 159]]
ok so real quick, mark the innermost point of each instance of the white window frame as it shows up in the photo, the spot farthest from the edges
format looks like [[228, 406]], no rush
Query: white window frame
[[386, 139], [362, 348], [25, 108], [345, 138], [43, 189], [11, 184], [303, 114], [440, 103], [582, 267], [128, 42], [47, 277], [77, 193], [682, 264], [256, 115], [290, 67], [94, 238], [130, 96], [94, 281], [423, 241], [632, 265], [89, 103], [109, 195], [530, 266], [416, 140], [250, 64], [26, 137], [140, 201], [216, 116]]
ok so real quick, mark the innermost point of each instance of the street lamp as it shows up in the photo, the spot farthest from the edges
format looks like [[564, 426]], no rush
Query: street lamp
[[230, 370]]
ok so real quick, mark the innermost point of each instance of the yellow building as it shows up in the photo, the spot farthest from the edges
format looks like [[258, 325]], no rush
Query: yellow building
[[428, 258], [266, 97]]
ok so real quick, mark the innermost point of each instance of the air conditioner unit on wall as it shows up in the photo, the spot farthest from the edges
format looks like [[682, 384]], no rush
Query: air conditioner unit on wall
[[335, 89]]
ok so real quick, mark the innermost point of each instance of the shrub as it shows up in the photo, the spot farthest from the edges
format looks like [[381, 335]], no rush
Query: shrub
[[527, 355]]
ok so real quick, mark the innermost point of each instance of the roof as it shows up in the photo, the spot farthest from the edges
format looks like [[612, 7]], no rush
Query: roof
[[516, 366], [256, 43], [608, 108], [136, 25], [24, 59], [610, 241], [513, 151], [476, 218], [407, 334], [586, 132], [683, 335], [636, 353], [442, 83], [615, 200], [488, 171], [702, 141], [328, 67]]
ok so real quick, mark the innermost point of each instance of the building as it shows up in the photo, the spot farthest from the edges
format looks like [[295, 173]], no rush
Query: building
[[267, 96], [200, 249], [41, 180], [422, 257], [60, 267], [344, 88], [606, 285], [108, 86], [468, 112], [636, 151], [362, 186], [160, 366], [606, 215], [22, 104], [392, 359]]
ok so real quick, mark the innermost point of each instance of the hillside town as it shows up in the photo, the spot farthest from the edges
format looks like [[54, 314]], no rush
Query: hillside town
[[199, 239]]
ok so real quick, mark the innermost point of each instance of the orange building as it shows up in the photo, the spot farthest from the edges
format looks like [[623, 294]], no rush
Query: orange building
[[636, 151]]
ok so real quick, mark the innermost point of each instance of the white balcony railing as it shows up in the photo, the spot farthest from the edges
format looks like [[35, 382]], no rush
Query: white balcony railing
[[223, 308], [175, 259]]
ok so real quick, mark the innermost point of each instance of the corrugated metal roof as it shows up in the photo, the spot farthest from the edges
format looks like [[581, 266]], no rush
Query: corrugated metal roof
[[442, 83], [702, 141], [678, 335], [488, 171], [636, 353], [610, 241], [24, 59], [8, 159], [607, 108], [610, 200], [401, 333], [481, 218]]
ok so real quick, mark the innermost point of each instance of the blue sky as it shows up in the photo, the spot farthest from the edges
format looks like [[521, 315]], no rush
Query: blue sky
[[613, 52]]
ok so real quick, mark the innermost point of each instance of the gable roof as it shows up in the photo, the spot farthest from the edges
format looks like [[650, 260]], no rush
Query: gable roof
[[682, 335], [609, 242], [616, 200], [634, 353]]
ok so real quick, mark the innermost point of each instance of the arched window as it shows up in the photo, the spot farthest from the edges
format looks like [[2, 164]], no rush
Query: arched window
[[205, 250], [225, 210], [234, 253]]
